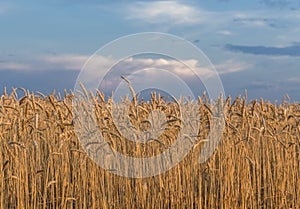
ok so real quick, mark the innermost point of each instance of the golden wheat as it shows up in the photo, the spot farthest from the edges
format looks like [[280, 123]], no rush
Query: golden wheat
[[43, 165]]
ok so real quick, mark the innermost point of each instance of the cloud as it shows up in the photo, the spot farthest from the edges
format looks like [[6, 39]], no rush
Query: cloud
[[4, 65], [184, 68], [64, 62], [232, 66], [294, 79], [77, 62], [51, 62], [148, 71], [293, 50], [258, 21], [280, 3], [142, 71], [43, 81], [225, 32], [166, 12], [261, 85]]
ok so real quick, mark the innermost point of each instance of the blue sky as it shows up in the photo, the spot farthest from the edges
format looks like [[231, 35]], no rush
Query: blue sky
[[254, 45]]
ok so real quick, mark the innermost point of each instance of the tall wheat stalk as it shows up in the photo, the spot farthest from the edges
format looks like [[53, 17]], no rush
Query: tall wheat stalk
[[43, 165]]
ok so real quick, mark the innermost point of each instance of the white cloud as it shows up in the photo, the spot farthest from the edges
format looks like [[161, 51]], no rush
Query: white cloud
[[154, 69], [59, 62], [168, 74], [76, 62], [184, 68], [145, 72], [231, 66], [170, 12], [173, 13], [294, 79], [64, 62], [14, 66], [225, 32]]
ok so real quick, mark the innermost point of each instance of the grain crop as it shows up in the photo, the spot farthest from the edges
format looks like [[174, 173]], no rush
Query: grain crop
[[44, 165]]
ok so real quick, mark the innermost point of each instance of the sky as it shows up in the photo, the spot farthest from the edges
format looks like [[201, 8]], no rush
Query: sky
[[253, 45]]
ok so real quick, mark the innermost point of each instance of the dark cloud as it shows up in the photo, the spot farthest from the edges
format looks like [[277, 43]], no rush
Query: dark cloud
[[44, 81], [268, 87], [282, 4], [293, 50], [276, 3]]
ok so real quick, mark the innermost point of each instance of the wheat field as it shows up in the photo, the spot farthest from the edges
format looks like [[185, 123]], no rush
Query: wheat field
[[43, 165]]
